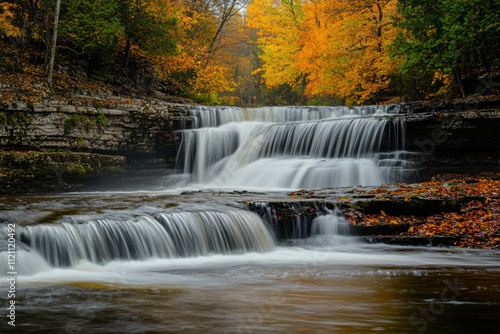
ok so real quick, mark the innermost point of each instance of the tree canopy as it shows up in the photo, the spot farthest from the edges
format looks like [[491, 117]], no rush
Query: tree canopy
[[277, 51], [449, 36]]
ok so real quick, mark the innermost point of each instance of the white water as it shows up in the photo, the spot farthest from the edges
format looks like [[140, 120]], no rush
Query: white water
[[157, 263], [331, 230], [168, 235], [216, 116], [241, 282], [293, 147], [183, 271]]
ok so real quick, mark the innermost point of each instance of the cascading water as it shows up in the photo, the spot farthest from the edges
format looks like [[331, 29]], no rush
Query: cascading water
[[316, 223], [331, 229], [295, 147], [165, 235], [193, 262], [196, 262]]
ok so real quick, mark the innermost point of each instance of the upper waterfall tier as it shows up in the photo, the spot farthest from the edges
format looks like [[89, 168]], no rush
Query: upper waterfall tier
[[216, 116], [294, 147]]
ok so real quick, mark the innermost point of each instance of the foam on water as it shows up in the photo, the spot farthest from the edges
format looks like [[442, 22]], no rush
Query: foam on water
[[293, 147]]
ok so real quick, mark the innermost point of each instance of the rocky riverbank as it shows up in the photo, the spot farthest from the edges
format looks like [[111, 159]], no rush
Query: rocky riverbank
[[48, 172], [460, 211], [139, 135], [447, 136], [459, 137]]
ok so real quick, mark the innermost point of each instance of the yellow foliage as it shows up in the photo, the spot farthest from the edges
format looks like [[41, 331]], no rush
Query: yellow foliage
[[195, 29], [278, 25], [6, 16], [340, 46]]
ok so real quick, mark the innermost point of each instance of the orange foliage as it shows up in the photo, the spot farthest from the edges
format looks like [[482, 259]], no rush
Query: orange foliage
[[340, 46], [476, 225], [195, 32]]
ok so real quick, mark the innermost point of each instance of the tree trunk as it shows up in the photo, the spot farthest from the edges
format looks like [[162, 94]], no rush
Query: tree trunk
[[47, 45], [459, 83], [127, 53], [54, 44]]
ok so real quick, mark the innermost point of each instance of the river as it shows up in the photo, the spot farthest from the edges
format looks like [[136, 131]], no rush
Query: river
[[189, 257]]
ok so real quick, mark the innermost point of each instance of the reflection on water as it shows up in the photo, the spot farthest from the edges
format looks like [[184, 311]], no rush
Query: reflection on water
[[359, 289], [325, 284]]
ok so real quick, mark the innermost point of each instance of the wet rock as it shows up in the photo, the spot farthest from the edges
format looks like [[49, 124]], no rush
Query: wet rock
[[39, 172], [450, 141], [415, 206], [412, 241]]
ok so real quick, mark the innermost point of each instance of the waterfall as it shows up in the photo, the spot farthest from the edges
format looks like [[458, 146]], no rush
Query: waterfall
[[331, 229], [204, 116], [215, 116], [295, 147], [165, 235], [313, 224]]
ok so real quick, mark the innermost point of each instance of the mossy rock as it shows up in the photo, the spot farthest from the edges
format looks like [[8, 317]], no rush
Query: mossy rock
[[61, 165], [414, 206]]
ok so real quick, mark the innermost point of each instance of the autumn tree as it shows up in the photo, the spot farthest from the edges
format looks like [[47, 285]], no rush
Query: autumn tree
[[7, 15], [279, 25], [53, 44], [226, 13], [201, 65], [346, 49], [339, 47]]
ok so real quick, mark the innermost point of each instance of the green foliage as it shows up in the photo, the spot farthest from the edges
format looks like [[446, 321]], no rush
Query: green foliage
[[448, 36], [410, 86], [208, 98], [148, 25], [283, 95], [73, 121], [92, 27], [79, 142], [323, 101], [471, 30], [101, 120]]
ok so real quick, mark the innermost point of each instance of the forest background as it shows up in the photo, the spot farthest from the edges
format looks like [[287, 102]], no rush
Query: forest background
[[257, 52]]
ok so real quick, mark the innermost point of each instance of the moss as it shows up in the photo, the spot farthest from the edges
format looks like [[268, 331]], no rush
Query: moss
[[55, 165], [87, 122], [73, 168], [113, 170], [17, 118], [360, 205], [73, 121], [101, 120], [87, 126], [80, 142]]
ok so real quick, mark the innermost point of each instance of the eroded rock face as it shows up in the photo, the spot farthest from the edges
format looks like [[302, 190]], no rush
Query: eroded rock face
[[457, 137], [139, 129], [141, 134], [465, 141], [34, 172]]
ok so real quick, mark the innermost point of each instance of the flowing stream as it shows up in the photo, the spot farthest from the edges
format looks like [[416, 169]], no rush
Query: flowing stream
[[192, 257], [294, 148]]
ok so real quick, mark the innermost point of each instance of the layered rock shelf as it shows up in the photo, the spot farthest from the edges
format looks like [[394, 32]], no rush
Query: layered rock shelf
[[136, 127], [461, 141], [451, 137], [141, 134]]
